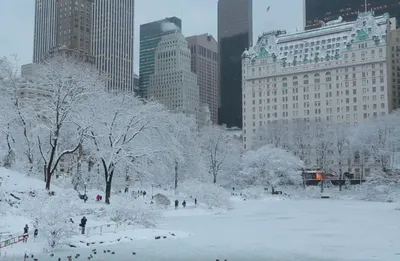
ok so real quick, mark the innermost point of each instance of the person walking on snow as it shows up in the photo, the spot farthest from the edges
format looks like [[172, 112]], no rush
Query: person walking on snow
[[26, 231], [176, 204], [195, 201], [83, 224], [184, 203]]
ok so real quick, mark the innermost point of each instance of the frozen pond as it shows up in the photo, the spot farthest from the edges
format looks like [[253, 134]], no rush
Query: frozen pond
[[323, 230]]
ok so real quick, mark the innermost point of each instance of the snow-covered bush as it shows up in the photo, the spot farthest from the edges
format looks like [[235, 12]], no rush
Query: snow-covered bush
[[133, 212], [270, 166], [212, 195], [52, 214], [162, 200], [255, 192]]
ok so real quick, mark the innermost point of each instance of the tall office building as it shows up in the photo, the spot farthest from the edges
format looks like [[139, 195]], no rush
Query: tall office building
[[62, 24], [113, 42], [173, 83], [204, 52], [235, 33], [150, 36], [318, 12]]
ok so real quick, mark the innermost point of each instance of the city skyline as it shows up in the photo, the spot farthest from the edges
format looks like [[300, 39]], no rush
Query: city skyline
[[18, 38]]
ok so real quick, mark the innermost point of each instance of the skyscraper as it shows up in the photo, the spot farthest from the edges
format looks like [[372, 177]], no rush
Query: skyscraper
[[113, 42], [62, 23], [150, 36], [235, 33], [173, 83], [204, 52], [318, 12]]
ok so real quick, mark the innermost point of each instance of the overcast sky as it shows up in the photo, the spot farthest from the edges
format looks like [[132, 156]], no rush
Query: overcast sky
[[198, 17]]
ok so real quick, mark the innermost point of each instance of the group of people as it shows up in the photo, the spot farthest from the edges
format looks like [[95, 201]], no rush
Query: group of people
[[183, 203], [26, 233]]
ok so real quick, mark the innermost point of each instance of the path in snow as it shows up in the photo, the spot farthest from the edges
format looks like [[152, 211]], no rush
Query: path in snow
[[272, 230]]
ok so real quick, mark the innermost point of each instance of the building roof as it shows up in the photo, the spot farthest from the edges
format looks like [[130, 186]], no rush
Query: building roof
[[325, 42]]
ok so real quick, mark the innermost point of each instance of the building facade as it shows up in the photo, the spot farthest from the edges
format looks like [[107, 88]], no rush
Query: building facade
[[150, 36], [204, 53], [337, 73], [394, 68], [113, 42], [235, 33], [317, 12], [62, 23], [173, 83]]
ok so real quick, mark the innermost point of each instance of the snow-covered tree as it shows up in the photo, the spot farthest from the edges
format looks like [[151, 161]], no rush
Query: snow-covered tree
[[216, 144], [300, 140], [274, 133], [210, 194], [270, 166], [341, 147], [17, 127], [380, 137], [60, 95], [322, 144], [51, 218], [125, 131]]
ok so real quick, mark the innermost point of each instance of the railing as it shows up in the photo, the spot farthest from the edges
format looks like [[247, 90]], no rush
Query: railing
[[103, 229], [12, 241]]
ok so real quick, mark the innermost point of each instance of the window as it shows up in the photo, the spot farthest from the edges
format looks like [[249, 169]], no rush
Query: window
[[284, 82], [305, 79], [328, 77], [316, 78], [295, 81]]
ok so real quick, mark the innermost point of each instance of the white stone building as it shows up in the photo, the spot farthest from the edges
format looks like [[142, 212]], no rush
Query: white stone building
[[337, 73], [173, 83]]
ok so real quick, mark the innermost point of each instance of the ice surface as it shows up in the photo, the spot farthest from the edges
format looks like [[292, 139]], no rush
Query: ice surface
[[269, 229]]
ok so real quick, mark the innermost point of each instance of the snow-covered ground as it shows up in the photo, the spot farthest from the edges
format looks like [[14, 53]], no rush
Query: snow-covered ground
[[269, 229]]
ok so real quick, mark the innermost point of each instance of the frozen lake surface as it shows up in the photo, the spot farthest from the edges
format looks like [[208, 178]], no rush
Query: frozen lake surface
[[268, 230]]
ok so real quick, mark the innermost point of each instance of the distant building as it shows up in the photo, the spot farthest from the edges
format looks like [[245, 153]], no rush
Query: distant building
[[150, 36], [340, 72], [62, 23], [136, 83], [204, 52], [173, 83], [29, 70], [317, 12], [235, 33], [113, 42], [393, 57]]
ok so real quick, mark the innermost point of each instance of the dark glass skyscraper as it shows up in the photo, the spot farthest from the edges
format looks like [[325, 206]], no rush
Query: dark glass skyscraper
[[150, 36], [317, 11], [235, 33]]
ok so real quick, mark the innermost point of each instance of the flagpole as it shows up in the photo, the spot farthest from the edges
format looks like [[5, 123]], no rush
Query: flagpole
[[366, 8]]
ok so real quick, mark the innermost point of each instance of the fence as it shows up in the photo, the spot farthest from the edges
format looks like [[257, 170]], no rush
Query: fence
[[103, 229]]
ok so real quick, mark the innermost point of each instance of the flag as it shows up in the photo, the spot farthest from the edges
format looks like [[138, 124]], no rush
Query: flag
[[268, 8]]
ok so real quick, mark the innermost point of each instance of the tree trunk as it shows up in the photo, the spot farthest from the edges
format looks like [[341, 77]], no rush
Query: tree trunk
[[48, 178], [176, 176], [215, 178], [108, 192]]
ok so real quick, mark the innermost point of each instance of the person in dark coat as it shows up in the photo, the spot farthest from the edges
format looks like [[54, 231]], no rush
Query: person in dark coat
[[176, 204], [26, 231], [195, 201], [144, 193], [83, 224], [35, 233], [184, 203]]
